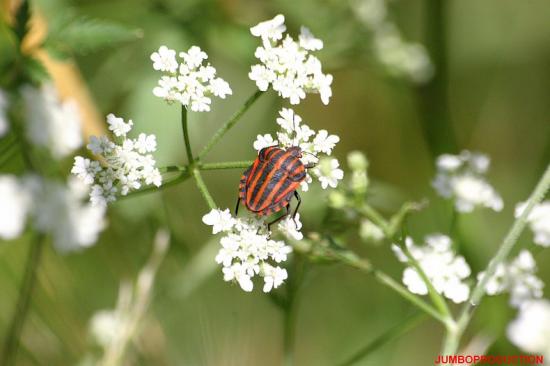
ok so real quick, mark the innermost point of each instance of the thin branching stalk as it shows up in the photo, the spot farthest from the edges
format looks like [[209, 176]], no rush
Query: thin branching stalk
[[203, 189], [454, 335], [229, 124], [184, 175], [190, 158], [173, 168], [226, 165], [392, 334], [12, 339], [352, 260]]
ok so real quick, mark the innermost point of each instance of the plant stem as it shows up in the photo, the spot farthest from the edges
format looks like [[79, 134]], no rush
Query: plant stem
[[226, 165], [172, 168], [352, 260], [176, 180], [392, 334], [203, 189], [377, 219], [433, 96], [12, 339], [229, 124], [190, 158], [290, 309], [453, 338]]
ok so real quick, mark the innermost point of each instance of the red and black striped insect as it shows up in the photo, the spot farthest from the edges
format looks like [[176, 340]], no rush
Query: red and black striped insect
[[268, 185]]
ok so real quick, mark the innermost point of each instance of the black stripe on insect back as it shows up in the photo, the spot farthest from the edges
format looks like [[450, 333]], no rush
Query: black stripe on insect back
[[280, 174], [264, 169]]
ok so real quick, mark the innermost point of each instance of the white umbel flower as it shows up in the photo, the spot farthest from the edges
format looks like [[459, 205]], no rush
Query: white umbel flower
[[15, 203], [287, 65], [445, 270], [4, 126], [518, 277], [127, 165], [539, 222], [294, 132], [188, 82], [530, 331], [248, 251], [461, 178], [51, 123]]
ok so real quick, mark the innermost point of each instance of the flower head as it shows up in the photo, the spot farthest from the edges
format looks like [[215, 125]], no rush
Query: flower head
[[287, 65], [126, 165], [15, 203], [518, 277], [51, 123], [539, 221], [294, 132], [188, 82], [248, 251], [530, 331], [461, 177], [443, 268]]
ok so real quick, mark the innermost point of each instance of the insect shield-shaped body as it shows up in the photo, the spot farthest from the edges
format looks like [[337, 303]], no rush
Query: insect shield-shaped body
[[268, 185]]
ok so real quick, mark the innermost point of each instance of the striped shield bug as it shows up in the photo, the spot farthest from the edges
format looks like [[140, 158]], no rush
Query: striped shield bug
[[268, 185]]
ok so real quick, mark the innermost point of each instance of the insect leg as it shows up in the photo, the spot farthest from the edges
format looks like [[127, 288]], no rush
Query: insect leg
[[278, 219], [237, 206], [297, 206], [310, 165]]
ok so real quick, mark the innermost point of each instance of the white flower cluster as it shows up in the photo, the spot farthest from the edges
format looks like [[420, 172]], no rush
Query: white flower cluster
[[461, 177], [401, 58], [188, 82], [443, 268], [127, 166], [56, 209], [516, 277], [539, 222], [247, 250], [287, 65], [295, 133], [51, 123], [530, 331], [4, 126]]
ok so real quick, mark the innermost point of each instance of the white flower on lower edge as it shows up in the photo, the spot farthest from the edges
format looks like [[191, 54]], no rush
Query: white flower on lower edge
[[288, 66], [443, 268], [57, 209], [248, 251], [518, 277], [294, 132], [105, 326], [15, 202], [4, 126], [461, 177], [51, 123], [530, 331], [189, 82], [539, 221], [127, 165]]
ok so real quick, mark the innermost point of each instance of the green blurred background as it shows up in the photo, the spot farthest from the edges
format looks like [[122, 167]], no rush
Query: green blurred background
[[490, 93]]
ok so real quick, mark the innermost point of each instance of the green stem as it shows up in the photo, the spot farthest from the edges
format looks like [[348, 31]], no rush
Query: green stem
[[229, 124], [377, 219], [172, 168], [392, 334], [176, 180], [186, 135], [453, 338], [12, 339], [226, 165], [290, 311], [352, 260], [203, 189]]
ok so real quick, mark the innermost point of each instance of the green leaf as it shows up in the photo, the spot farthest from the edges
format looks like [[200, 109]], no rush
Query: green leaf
[[70, 35], [21, 26], [34, 70]]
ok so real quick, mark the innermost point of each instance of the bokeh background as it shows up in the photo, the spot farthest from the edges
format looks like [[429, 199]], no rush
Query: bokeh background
[[490, 92]]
